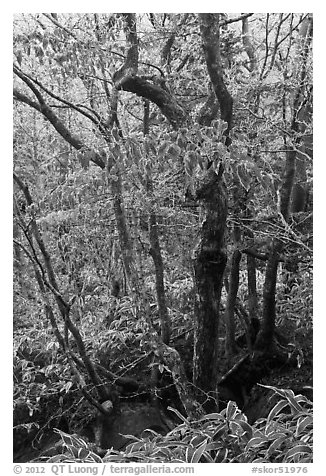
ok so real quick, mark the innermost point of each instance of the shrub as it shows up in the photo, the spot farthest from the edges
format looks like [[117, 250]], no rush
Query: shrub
[[285, 436]]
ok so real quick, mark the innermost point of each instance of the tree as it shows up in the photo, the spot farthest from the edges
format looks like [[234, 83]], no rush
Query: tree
[[131, 113]]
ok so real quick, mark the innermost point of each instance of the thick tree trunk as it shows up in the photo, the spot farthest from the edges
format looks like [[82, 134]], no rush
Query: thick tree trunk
[[210, 258], [209, 264]]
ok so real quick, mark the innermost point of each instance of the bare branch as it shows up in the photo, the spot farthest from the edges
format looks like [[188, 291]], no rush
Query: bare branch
[[233, 20]]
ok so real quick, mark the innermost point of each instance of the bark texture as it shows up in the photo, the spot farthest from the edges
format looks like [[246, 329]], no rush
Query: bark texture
[[209, 264]]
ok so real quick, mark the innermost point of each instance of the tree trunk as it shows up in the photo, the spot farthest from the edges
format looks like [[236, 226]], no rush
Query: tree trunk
[[230, 345], [238, 205], [252, 287], [209, 257], [123, 232], [155, 250], [209, 264], [247, 43], [265, 337]]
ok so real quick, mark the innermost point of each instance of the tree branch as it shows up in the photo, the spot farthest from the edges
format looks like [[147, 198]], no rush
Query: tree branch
[[25, 99], [209, 29], [63, 305], [163, 99], [96, 120], [126, 79], [57, 123], [56, 23], [250, 50], [233, 20], [130, 66]]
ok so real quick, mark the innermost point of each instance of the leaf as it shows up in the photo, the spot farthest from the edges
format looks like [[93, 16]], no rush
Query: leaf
[[83, 160], [66, 438], [189, 453], [198, 440], [244, 177], [221, 431], [94, 457], [276, 445], [162, 148], [289, 395], [255, 442], [214, 446], [83, 453], [19, 56], [303, 423], [236, 428], [231, 410], [45, 43], [85, 157], [67, 386], [198, 452], [74, 451], [220, 127], [190, 162], [147, 148], [174, 151], [246, 427], [276, 409], [39, 53], [78, 442], [182, 418], [55, 459], [221, 455], [213, 416], [220, 150], [296, 450]]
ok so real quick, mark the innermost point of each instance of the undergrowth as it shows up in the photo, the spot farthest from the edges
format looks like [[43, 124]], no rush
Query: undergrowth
[[285, 436]]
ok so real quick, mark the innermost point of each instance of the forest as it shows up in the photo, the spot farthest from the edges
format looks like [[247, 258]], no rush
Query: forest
[[162, 237]]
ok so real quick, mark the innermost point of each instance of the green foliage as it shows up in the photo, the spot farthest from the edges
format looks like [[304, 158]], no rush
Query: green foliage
[[285, 436], [73, 57], [76, 451]]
